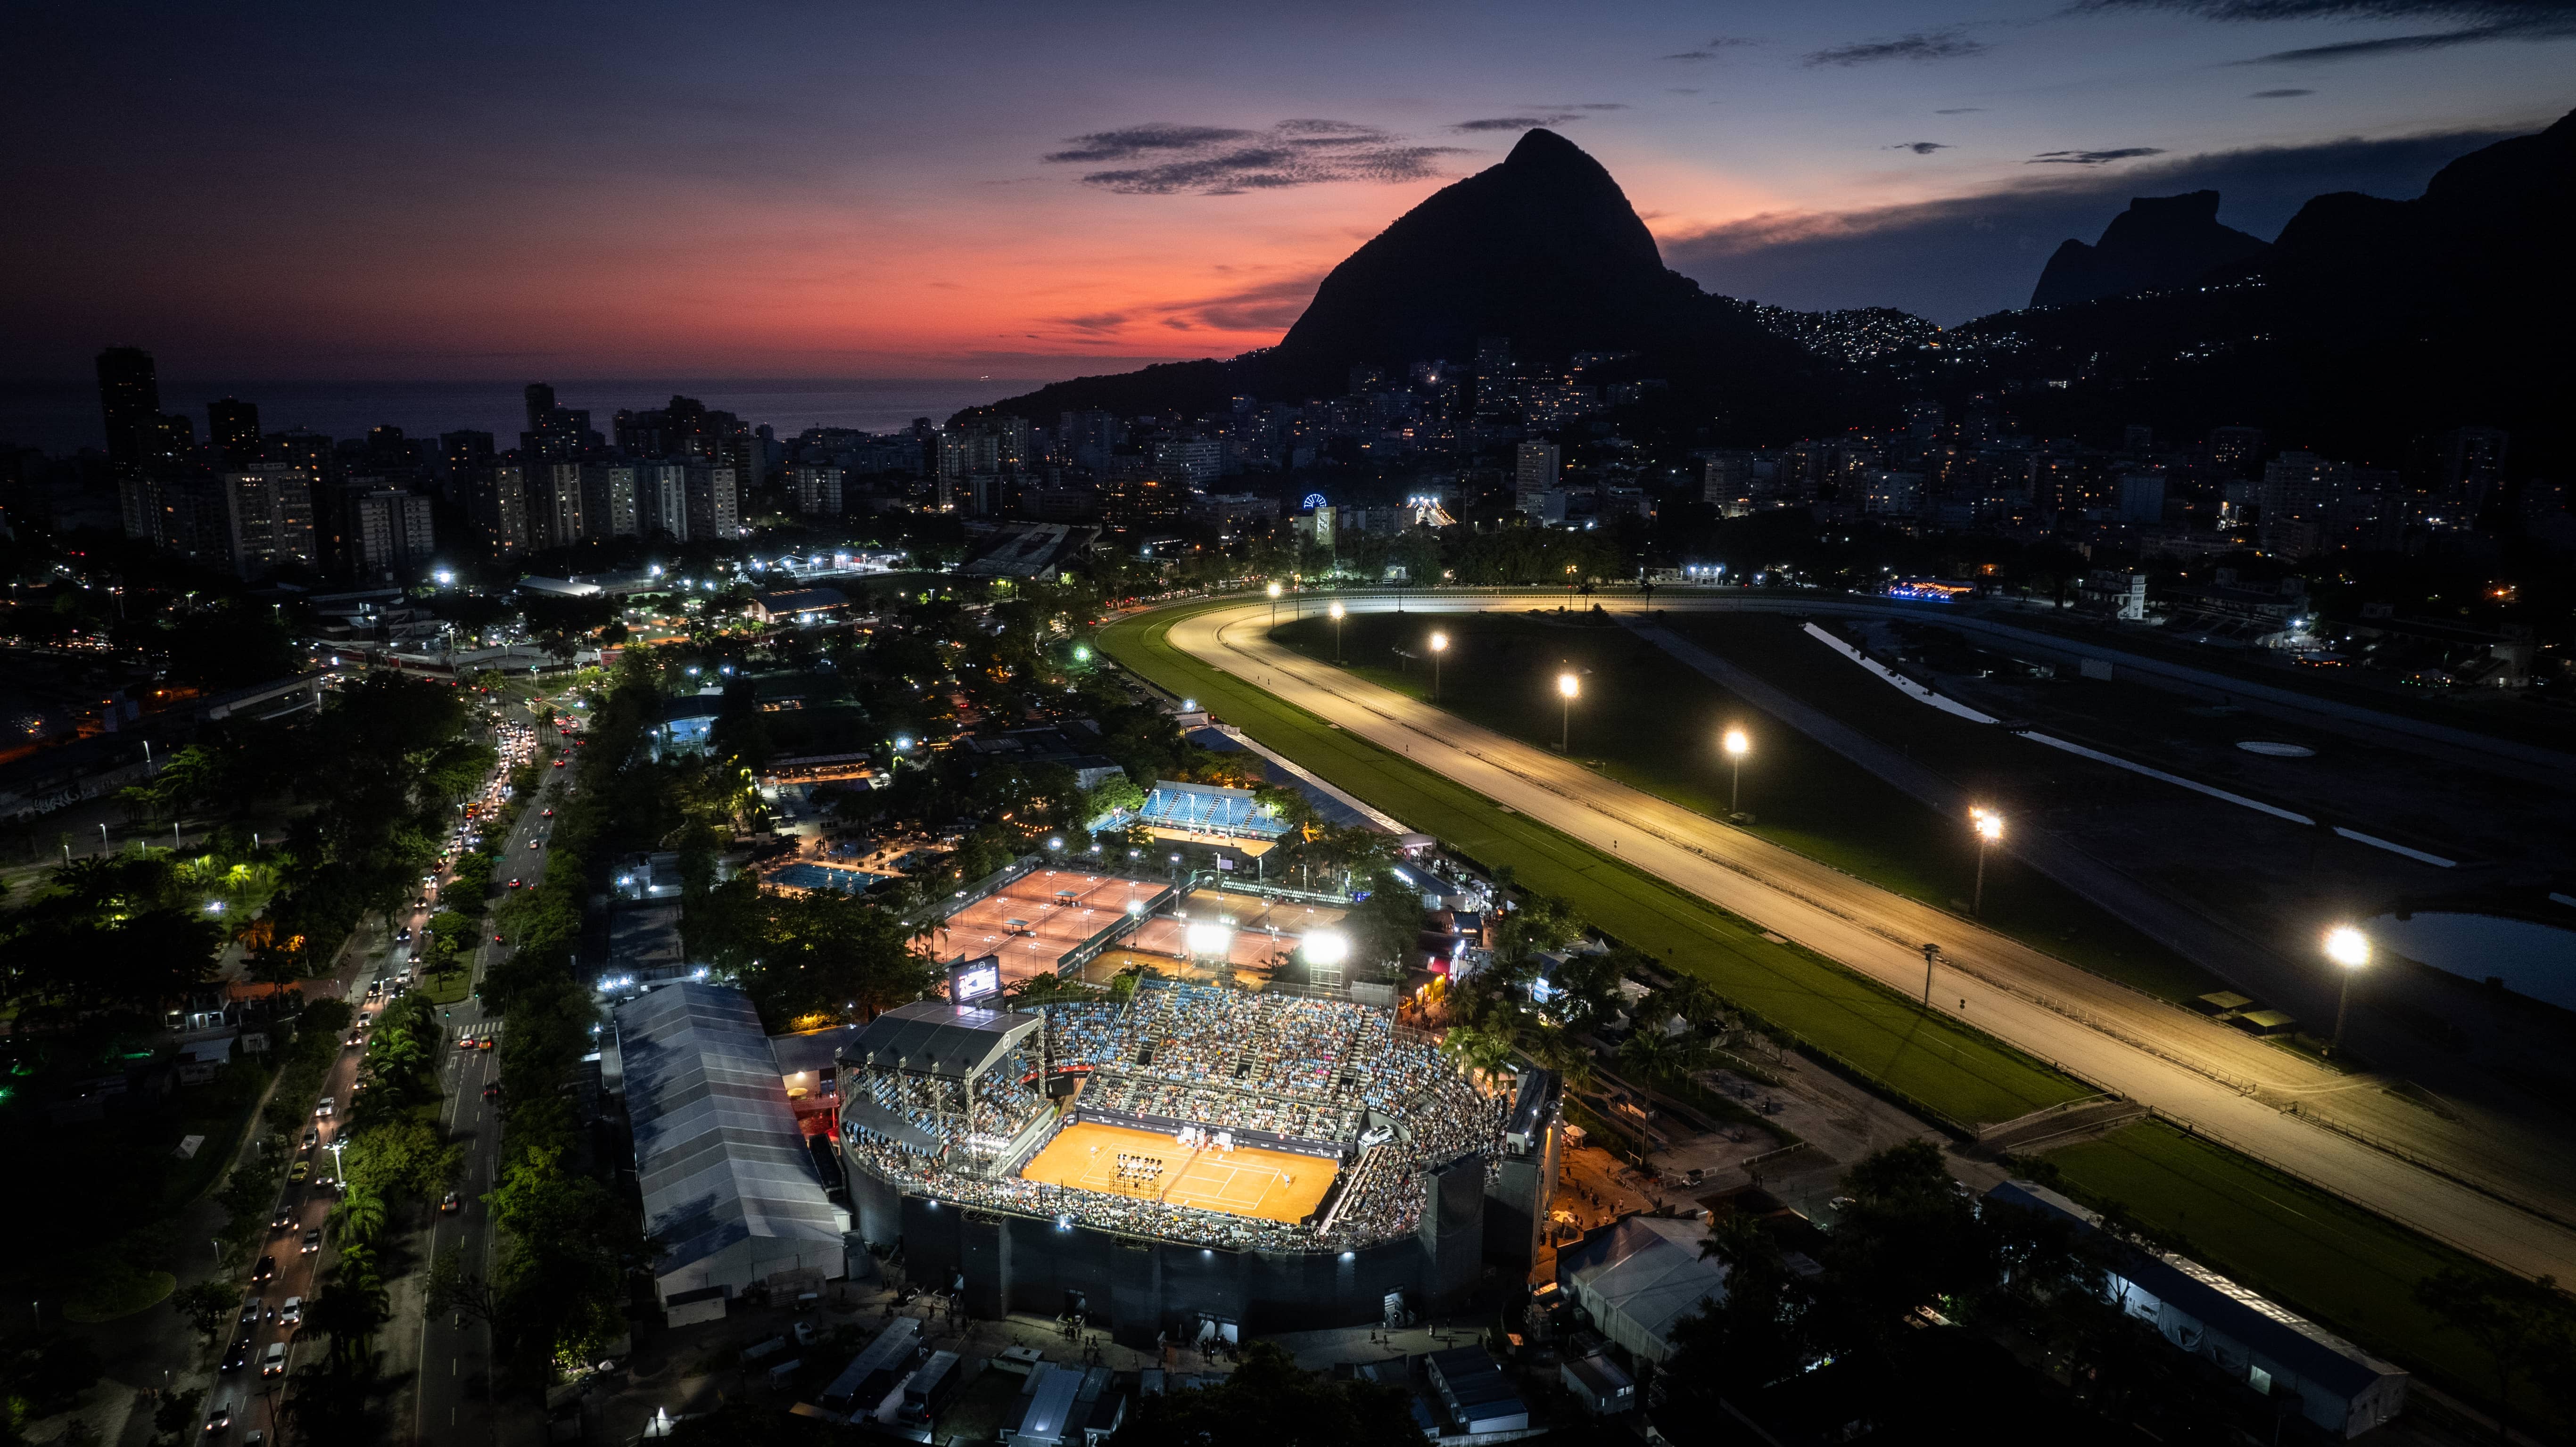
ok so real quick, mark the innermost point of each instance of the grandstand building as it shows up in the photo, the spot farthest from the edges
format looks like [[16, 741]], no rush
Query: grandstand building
[[1191, 1161], [1209, 814]]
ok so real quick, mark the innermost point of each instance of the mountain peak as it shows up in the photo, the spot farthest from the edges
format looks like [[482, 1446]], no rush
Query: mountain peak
[[2159, 242], [1542, 248], [1539, 146]]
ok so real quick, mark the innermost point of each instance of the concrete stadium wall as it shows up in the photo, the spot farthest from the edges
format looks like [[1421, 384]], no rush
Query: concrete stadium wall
[[1013, 1263]]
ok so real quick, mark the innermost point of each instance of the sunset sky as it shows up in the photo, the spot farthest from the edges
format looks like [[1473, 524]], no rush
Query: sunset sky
[[477, 190]]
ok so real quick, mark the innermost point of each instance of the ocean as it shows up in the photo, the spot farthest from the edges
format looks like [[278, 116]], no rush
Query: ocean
[[63, 417]]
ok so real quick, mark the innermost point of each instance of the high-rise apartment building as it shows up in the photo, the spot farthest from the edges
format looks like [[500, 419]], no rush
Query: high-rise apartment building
[[1191, 461], [392, 531], [554, 505], [1726, 479], [814, 490], [497, 499], [129, 403], [268, 517], [1534, 473], [2236, 451], [608, 500], [232, 430], [177, 510], [715, 505], [662, 499]]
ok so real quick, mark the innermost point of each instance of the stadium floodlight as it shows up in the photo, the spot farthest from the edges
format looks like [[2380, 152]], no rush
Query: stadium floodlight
[[2349, 948], [1325, 947], [1207, 937]]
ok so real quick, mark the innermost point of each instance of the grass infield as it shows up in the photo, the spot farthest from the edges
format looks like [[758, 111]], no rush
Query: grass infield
[[1928, 1062]]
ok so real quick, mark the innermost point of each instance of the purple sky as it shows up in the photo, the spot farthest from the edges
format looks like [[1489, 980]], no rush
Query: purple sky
[[474, 190]]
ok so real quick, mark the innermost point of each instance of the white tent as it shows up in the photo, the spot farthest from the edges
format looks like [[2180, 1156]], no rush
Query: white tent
[[1640, 1277]]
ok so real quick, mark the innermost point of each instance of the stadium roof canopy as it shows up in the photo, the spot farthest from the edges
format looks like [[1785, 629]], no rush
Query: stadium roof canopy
[[932, 1037], [1208, 809], [717, 1149], [1640, 1277]]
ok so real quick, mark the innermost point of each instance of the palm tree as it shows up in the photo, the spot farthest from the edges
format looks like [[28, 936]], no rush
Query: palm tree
[[1481, 1051], [360, 1221], [1649, 1052]]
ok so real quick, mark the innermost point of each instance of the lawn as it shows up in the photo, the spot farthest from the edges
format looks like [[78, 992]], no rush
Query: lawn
[[447, 989], [1652, 724], [1931, 1063], [2340, 1265]]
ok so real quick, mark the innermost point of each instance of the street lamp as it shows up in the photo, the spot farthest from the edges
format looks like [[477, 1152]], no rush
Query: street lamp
[[1337, 639], [1274, 605], [1567, 687], [1439, 645], [1737, 746], [2349, 948], [1990, 827]]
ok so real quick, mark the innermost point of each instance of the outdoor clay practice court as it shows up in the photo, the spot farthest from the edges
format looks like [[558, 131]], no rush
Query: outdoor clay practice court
[[1245, 1181], [1034, 921]]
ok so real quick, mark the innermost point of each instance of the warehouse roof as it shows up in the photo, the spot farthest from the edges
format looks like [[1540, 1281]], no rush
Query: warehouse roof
[[1640, 1277], [717, 1150]]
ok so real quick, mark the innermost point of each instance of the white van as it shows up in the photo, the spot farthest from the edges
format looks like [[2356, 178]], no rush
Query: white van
[[272, 1363]]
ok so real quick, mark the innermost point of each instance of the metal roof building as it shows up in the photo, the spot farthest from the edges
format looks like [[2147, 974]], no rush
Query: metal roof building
[[730, 1188], [1640, 1277], [932, 1037], [2273, 1350]]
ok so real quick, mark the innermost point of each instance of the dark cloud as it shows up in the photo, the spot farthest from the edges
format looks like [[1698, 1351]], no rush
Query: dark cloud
[[1961, 111], [1714, 48], [1224, 161], [1921, 148], [2278, 94], [1095, 322], [1954, 259], [2092, 158], [1517, 123], [2410, 44], [1949, 44], [2465, 22], [1144, 140]]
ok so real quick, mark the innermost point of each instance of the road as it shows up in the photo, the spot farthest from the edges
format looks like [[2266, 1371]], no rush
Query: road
[[449, 1357], [2226, 1085]]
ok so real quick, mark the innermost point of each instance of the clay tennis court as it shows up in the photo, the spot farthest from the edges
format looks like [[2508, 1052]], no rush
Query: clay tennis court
[[1273, 1185], [1034, 920]]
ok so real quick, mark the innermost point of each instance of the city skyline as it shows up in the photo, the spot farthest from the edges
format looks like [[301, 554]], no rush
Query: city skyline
[[1014, 193]]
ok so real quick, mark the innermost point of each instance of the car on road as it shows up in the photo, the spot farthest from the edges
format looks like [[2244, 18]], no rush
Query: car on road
[[312, 1240], [272, 1362], [513, 884], [403, 936], [284, 1218], [535, 843], [355, 1039], [220, 1420], [238, 1356], [266, 1269], [328, 1105], [559, 763], [252, 1305], [451, 1203], [492, 1091], [550, 813], [326, 1183], [292, 1313]]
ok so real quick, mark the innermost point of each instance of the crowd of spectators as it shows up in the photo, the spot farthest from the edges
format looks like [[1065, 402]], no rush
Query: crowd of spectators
[[1243, 1060], [1224, 1109], [1005, 1098]]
